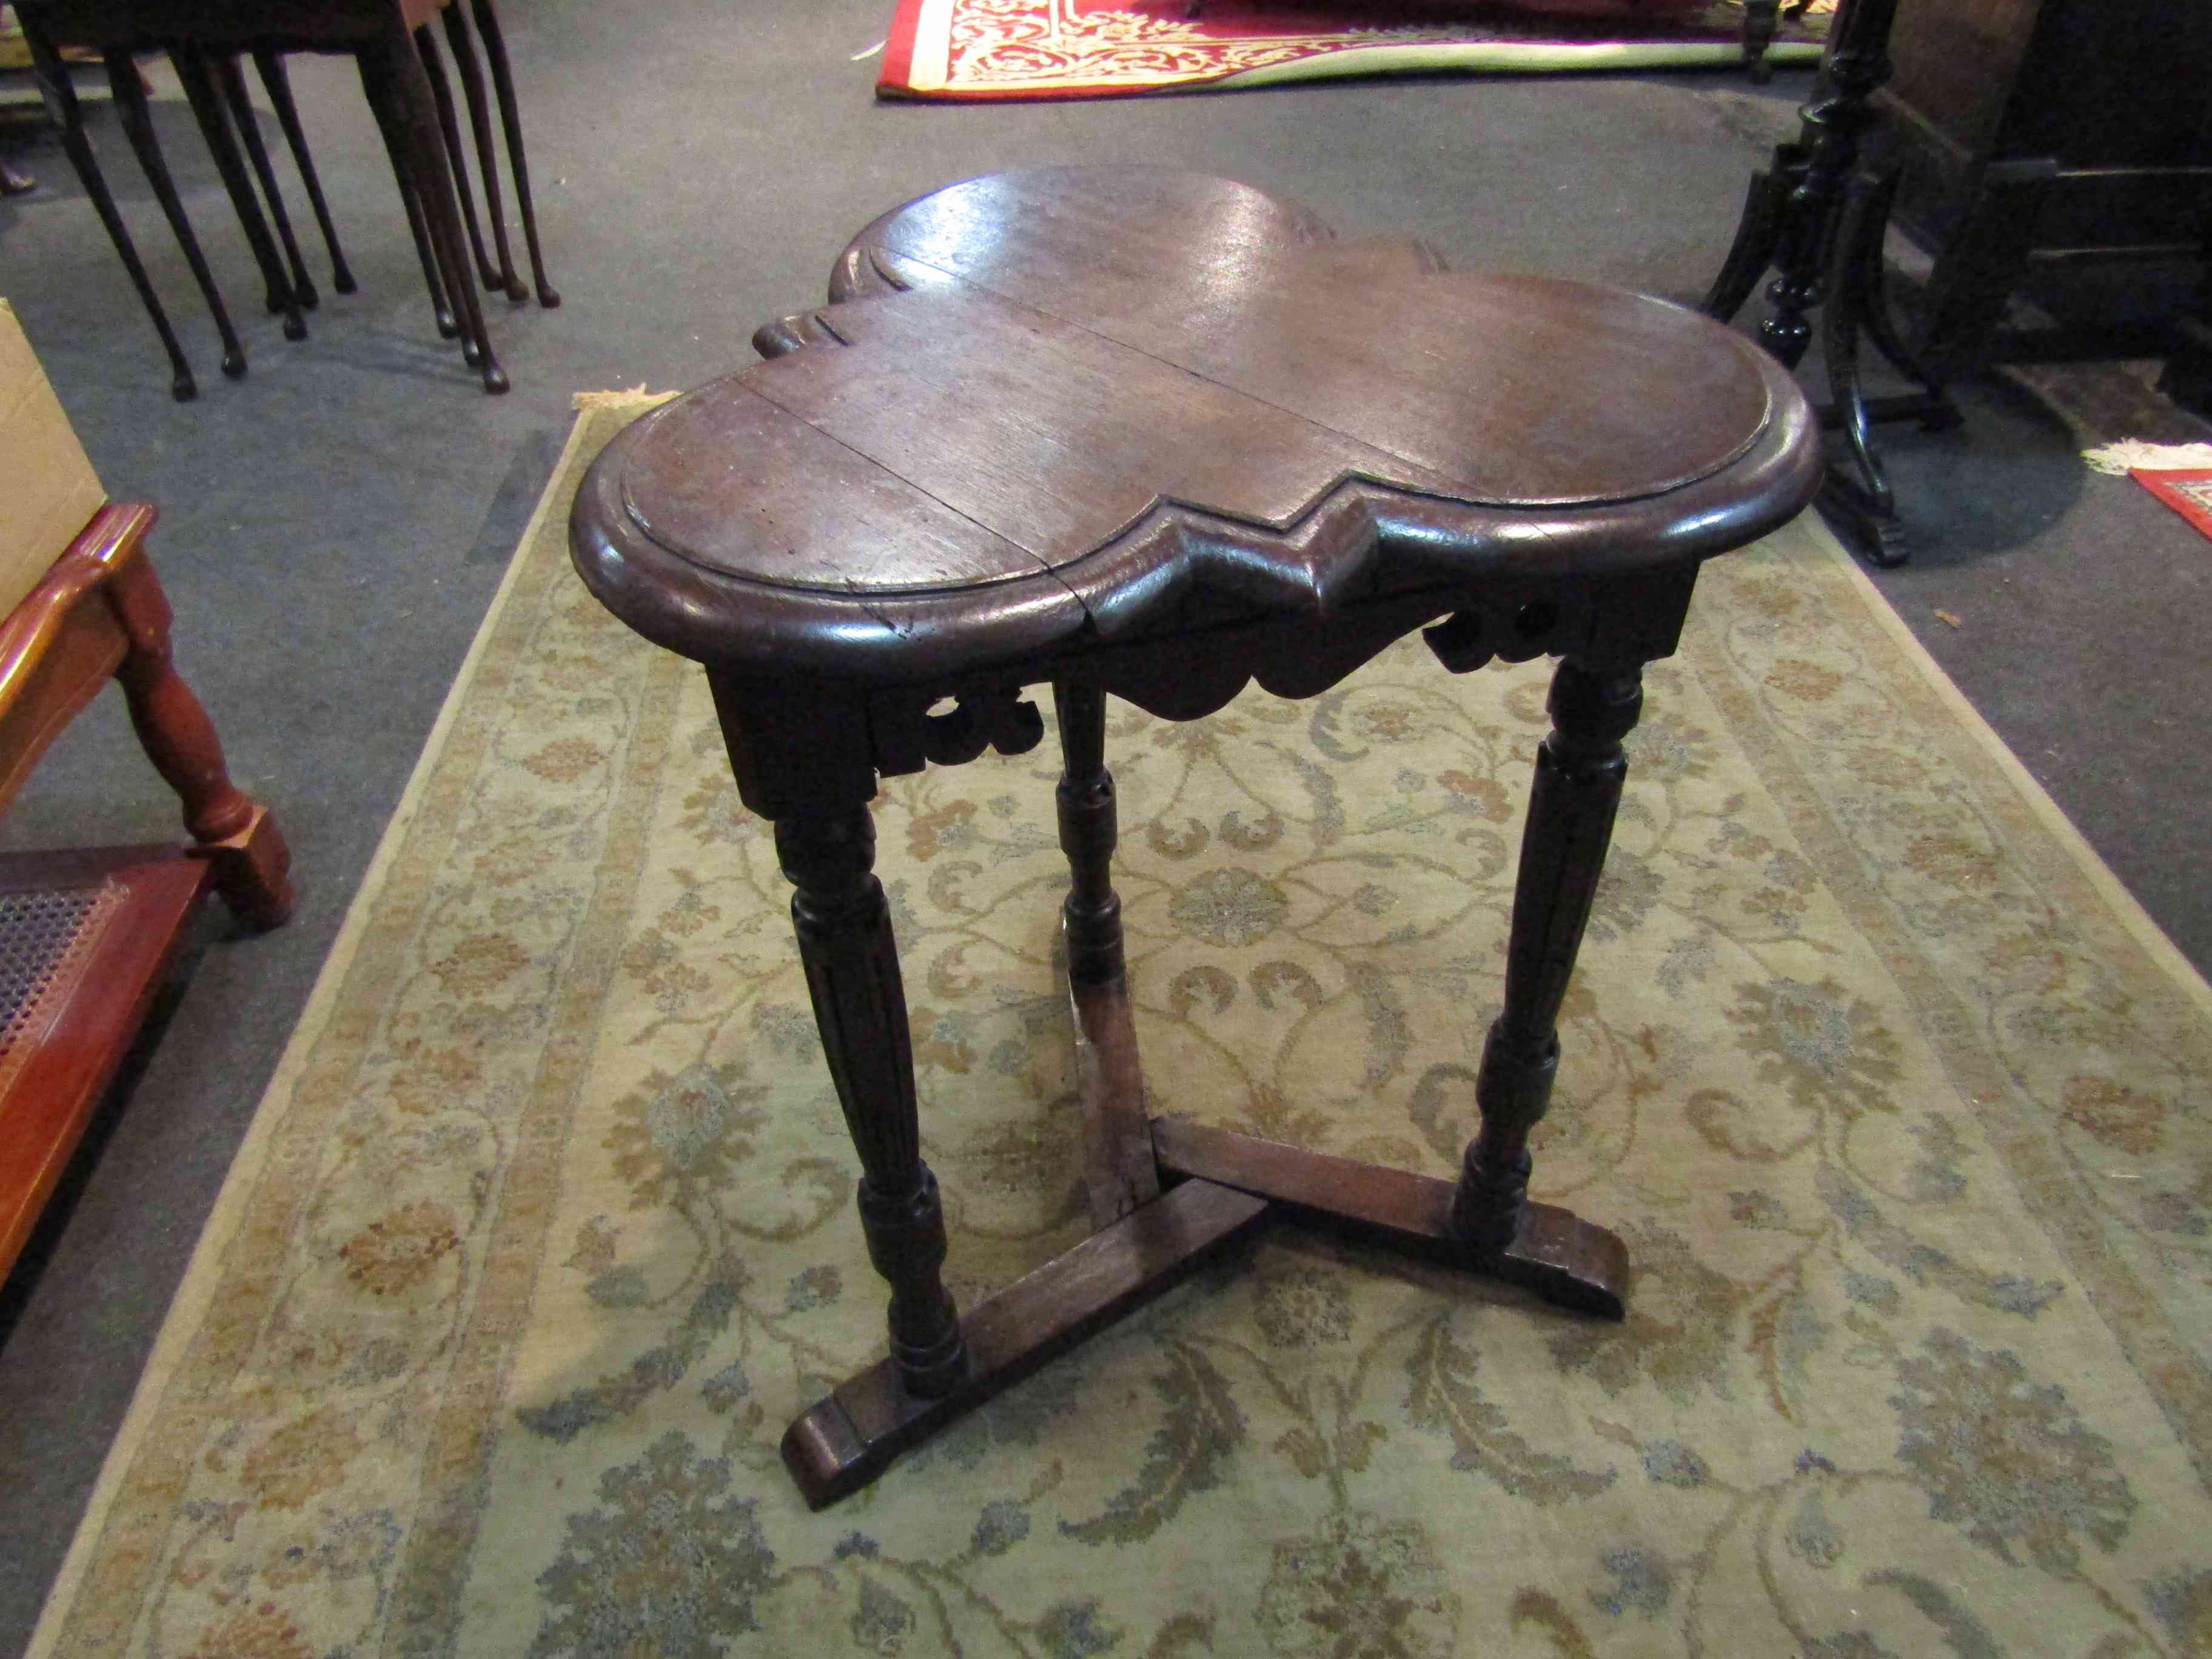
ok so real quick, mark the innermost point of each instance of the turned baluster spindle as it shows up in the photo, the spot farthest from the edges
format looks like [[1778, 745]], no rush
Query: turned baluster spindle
[[1834, 121], [844, 930], [1580, 768], [1088, 831], [172, 724]]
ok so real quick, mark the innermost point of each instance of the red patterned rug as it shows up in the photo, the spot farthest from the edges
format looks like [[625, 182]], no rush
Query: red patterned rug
[[989, 50]]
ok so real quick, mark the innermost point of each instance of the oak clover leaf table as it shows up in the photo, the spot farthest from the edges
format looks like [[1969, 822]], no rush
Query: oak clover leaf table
[[1155, 435]]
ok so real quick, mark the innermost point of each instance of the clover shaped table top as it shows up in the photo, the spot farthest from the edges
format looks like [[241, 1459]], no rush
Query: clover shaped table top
[[1051, 405], [1154, 435]]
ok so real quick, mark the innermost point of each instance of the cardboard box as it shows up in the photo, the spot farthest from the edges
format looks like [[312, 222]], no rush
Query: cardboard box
[[48, 491]]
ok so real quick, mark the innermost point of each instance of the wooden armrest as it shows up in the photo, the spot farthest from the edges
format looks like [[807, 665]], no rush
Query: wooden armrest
[[100, 614], [64, 641]]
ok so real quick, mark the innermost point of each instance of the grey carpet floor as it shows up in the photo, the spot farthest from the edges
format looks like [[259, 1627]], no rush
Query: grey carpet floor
[[334, 525]]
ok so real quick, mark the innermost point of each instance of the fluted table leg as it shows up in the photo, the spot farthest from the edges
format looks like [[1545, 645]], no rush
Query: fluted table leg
[[1580, 770], [852, 975]]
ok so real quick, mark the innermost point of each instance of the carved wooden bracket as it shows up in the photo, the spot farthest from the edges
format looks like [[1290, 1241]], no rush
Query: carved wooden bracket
[[1003, 721], [903, 736]]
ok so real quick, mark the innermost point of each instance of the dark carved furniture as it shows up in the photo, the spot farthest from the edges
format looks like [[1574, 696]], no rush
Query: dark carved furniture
[[2013, 138], [1815, 218], [85, 936], [2044, 141], [1155, 436]]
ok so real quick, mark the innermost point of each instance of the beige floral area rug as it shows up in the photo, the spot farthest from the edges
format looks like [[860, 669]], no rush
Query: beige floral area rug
[[545, 1228]]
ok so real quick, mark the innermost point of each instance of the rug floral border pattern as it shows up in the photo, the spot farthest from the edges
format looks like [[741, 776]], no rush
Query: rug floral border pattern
[[997, 49]]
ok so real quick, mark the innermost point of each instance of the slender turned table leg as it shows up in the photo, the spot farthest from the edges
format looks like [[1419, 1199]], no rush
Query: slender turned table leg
[[231, 79], [510, 115], [852, 975], [442, 96], [378, 98], [60, 96], [1088, 831], [278, 82], [1580, 770], [131, 105], [472, 93], [251, 862], [194, 70], [1121, 1171]]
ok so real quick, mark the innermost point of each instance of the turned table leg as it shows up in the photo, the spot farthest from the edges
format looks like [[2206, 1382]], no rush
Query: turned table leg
[[852, 975], [276, 82], [196, 70], [132, 107], [1088, 831], [230, 80], [1120, 1170], [1579, 772], [60, 96], [251, 863], [472, 92], [510, 115], [377, 97]]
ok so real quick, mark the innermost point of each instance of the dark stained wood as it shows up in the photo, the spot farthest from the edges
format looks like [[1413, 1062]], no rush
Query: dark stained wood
[[399, 92], [276, 82], [1090, 825], [129, 91], [195, 70], [231, 79], [443, 316], [1341, 335], [1580, 768], [59, 94], [875, 503], [441, 97], [1138, 241], [510, 115], [1568, 1261], [845, 941], [2036, 138], [1814, 217], [472, 88], [1004, 458], [849, 1439]]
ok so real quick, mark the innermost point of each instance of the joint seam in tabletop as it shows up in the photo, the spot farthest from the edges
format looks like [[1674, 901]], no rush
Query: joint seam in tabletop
[[1171, 513], [1467, 497], [1439, 491], [630, 507]]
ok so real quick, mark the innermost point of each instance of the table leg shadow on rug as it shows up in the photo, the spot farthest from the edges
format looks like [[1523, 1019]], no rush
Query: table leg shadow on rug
[[543, 1232]]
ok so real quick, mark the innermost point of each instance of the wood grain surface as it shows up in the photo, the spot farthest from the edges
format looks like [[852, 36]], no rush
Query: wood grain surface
[[1051, 403]]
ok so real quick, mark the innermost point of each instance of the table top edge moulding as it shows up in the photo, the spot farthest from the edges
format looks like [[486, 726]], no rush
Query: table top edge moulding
[[1150, 435], [931, 487]]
